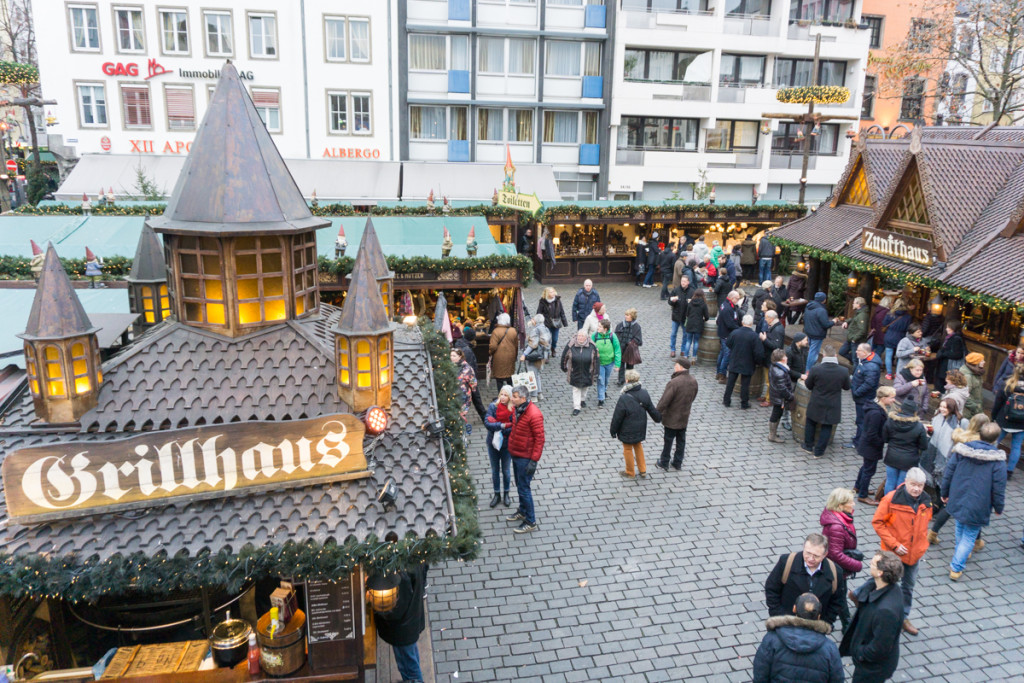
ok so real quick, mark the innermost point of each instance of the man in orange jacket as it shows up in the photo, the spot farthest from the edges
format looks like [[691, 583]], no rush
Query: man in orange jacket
[[901, 521]]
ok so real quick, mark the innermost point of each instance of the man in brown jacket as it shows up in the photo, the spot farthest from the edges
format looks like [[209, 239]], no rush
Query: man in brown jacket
[[674, 407]]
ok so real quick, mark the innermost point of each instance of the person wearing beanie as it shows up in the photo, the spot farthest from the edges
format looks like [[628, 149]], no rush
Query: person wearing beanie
[[674, 406], [816, 326], [905, 439], [592, 323], [973, 370]]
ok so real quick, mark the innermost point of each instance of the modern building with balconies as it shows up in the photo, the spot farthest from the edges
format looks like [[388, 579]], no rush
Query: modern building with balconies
[[477, 75], [693, 103]]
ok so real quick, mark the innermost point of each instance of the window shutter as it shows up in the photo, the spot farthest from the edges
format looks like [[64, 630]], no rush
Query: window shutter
[[266, 98], [136, 106], [181, 112]]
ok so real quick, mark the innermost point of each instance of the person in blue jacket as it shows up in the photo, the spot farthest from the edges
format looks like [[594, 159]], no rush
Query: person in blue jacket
[[583, 302], [864, 383], [816, 326], [895, 325], [797, 648]]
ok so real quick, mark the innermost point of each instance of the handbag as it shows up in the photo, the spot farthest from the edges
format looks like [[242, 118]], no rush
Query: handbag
[[556, 322], [631, 354], [852, 552], [534, 353], [524, 377], [497, 440]]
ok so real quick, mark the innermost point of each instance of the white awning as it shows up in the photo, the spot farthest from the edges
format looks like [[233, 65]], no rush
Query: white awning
[[461, 181]]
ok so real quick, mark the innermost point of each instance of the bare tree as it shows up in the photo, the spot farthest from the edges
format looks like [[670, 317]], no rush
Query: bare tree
[[978, 48], [18, 37]]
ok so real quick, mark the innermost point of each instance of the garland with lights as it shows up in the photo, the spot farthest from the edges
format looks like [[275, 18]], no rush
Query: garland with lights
[[16, 73], [818, 94], [901, 277], [87, 579], [402, 264], [548, 215]]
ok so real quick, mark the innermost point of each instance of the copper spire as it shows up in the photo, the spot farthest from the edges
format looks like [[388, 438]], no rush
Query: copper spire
[[56, 311], [148, 264]]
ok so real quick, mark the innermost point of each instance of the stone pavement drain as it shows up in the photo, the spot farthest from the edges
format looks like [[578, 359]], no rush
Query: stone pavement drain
[[663, 579]]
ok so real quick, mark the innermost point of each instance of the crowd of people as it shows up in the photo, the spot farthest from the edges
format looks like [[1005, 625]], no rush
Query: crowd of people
[[939, 462]]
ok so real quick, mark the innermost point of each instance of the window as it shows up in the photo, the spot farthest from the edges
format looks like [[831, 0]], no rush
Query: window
[[262, 35], [334, 37], [135, 100], [361, 113], [668, 67], [920, 37], [56, 386], [679, 6], [181, 108], [561, 127], [745, 70], [85, 28], [748, 8], [128, 25], [174, 31], [429, 52], [337, 112], [875, 26], [153, 301], [92, 105], [590, 123], [304, 264], [856, 191], [867, 105], [660, 134], [521, 60], [958, 95], [491, 55], [785, 141], [202, 285], [797, 72], [359, 38], [520, 125], [912, 103], [729, 136], [821, 10], [911, 208], [259, 279], [268, 106], [218, 33], [430, 123], [489, 125], [562, 58], [592, 59]]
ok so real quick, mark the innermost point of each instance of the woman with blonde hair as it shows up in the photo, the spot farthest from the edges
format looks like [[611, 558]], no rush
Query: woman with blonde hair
[[550, 306], [1011, 417], [872, 442], [837, 526], [960, 435]]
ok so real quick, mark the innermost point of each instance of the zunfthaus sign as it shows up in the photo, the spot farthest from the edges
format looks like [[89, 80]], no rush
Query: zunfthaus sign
[[914, 250], [159, 468]]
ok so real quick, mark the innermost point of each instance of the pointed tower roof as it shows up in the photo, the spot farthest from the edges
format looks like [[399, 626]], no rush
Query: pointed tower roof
[[56, 311], [234, 180], [148, 264], [370, 249], [363, 310]]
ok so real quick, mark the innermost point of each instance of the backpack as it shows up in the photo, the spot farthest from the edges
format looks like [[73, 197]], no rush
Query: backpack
[[1015, 408], [789, 565]]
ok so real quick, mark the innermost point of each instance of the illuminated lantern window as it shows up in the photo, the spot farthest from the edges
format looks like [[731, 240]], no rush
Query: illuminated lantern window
[[259, 271], [53, 361], [382, 592], [148, 294], [199, 262], [304, 273]]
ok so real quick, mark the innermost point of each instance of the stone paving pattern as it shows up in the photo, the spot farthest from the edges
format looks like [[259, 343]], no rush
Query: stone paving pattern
[[663, 579]]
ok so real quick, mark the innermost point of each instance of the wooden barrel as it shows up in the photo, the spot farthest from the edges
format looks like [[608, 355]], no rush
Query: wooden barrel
[[709, 344], [712, 302], [803, 397], [756, 385]]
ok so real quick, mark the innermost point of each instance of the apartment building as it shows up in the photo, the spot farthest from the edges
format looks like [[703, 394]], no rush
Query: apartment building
[[477, 75], [693, 81], [133, 77]]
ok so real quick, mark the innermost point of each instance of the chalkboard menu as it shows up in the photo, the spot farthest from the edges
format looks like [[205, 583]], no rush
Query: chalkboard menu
[[334, 622]]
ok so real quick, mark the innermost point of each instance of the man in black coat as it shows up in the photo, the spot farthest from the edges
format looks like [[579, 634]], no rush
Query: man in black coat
[[666, 262], [826, 381], [774, 338], [400, 627], [809, 572], [525, 242], [746, 354], [873, 638]]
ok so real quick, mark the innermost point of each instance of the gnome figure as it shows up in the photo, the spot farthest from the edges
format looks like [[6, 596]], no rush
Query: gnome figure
[[110, 195], [315, 203], [494, 197], [87, 205], [445, 206], [93, 267], [471, 242], [100, 198], [430, 201], [446, 246], [340, 244], [36, 264]]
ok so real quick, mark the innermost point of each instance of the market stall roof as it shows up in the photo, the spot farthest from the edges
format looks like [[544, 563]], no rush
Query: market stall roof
[[411, 236], [16, 304], [972, 187], [473, 181]]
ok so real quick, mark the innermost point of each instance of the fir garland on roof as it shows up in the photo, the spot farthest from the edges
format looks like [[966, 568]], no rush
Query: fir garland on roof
[[402, 264], [76, 578]]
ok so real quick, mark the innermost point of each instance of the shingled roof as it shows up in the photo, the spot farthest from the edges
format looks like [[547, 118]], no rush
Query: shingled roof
[[148, 264], [370, 249], [234, 180], [973, 183], [56, 311]]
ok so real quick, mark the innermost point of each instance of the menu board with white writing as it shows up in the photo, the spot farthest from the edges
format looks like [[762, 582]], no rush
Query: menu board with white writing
[[331, 610]]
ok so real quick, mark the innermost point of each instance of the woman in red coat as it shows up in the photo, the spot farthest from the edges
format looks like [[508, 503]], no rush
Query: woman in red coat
[[837, 526]]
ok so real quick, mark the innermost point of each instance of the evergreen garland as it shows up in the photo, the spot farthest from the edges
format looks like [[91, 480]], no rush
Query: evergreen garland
[[77, 579], [15, 73], [411, 264]]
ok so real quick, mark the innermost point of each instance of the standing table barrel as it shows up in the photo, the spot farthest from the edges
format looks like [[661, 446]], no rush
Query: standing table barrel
[[756, 384], [707, 355], [799, 418], [712, 302]]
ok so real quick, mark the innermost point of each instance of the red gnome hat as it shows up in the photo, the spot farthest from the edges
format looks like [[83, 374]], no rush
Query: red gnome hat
[[472, 232], [89, 256], [341, 230], [36, 250]]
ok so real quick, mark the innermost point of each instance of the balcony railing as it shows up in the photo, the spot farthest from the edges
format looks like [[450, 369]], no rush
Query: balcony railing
[[735, 93], [744, 158], [695, 92], [747, 24], [634, 156], [793, 159], [641, 7]]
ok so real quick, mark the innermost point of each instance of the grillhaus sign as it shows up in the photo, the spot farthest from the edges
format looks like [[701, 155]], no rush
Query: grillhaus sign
[[896, 246], [160, 468]]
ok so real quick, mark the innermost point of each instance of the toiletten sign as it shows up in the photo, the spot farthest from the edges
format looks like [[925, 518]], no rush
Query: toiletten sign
[[913, 250], [159, 468], [518, 201]]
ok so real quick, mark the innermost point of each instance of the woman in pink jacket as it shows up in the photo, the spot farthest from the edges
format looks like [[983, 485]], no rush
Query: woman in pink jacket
[[837, 526]]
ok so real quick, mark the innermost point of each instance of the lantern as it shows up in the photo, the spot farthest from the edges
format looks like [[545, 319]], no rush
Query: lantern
[[936, 305], [851, 282], [778, 250], [382, 592], [801, 266]]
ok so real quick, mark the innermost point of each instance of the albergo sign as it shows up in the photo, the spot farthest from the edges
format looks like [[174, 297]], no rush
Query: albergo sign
[[914, 250], [72, 479]]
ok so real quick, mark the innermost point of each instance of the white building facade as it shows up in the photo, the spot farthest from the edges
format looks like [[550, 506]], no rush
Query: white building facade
[[133, 77], [693, 80]]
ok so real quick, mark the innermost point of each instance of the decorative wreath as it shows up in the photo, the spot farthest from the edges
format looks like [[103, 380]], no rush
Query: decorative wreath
[[819, 94]]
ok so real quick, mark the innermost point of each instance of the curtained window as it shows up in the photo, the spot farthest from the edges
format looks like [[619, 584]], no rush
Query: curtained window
[[174, 28], [489, 125], [459, 129], [129, 30], [85, 28], [334, 30], [561, 127], [521, 53], [742, 69], [426, 52], [520, 125], [359, 33], [592, 59], [729, 136], [562, 58], [218, 33], [426, 123], [491, 55]]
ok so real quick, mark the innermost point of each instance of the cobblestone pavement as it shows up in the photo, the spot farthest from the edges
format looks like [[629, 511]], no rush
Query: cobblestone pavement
[[663, 579]]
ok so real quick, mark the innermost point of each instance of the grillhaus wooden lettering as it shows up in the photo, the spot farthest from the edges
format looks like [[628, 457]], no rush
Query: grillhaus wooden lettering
[[164, 467]]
